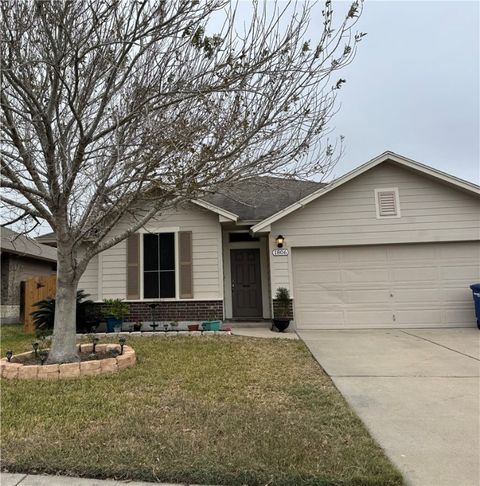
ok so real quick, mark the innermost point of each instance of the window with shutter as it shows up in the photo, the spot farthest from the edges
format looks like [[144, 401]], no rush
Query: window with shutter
[[387, 202], [159, 265]]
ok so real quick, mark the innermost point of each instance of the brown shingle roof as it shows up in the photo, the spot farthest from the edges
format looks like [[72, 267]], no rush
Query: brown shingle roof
[[253, 199], [258, 198], [19, 244]]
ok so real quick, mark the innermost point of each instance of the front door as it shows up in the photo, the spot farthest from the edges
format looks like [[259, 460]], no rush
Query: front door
[[246, 283]]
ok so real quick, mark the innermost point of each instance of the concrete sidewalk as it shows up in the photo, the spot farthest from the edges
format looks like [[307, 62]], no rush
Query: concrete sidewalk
[[9, 479], [418, 393], [263, 332]]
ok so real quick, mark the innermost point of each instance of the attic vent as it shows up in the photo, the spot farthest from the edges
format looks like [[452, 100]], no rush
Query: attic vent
[[387, 202]]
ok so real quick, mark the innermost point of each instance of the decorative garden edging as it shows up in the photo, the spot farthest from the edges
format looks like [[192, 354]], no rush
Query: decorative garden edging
[[127, 359], [159, 333]]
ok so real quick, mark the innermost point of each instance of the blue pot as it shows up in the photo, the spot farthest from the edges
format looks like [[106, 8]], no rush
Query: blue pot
[[211, 325], [112, 322]]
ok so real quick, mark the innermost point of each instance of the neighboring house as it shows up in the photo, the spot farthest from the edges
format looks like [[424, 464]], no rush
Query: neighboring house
[[21, 258], [393, 243]]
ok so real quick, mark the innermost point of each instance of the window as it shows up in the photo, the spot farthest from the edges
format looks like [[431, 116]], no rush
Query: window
[[387, 203], [242, 237], [159, 265]]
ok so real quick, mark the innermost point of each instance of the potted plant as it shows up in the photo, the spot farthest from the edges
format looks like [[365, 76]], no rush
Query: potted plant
[[282, 315], [137, 326], [115, 312], [211, 325], [193, 327]]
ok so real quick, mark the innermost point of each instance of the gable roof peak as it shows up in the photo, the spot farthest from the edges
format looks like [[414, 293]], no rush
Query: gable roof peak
[[387, 156]]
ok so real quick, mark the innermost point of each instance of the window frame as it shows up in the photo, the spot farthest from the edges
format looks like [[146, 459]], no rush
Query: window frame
[[174, 231]]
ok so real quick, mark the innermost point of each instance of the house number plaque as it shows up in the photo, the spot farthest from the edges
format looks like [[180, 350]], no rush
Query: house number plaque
[[280, 252]]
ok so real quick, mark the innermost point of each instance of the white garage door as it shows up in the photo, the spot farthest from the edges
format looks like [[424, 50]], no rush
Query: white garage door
[[418, 285]]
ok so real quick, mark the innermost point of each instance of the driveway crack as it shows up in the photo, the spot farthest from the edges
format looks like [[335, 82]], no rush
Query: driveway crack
[[440, 345], [21, 480]]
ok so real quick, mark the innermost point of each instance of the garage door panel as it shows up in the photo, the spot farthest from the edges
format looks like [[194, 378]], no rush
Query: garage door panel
[[404, 254], [367, 296], [409, 295], [367, 274], [460, 315], [320, 296], [419, 316], [461, 252], [327, 296], [368, 317], [415, 274], [330, 319], [364, 255], [316, 277], [462, 273], [409, 285], [327, 257]]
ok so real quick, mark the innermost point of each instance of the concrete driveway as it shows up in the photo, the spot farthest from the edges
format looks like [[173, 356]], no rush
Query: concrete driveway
[[417, 391]]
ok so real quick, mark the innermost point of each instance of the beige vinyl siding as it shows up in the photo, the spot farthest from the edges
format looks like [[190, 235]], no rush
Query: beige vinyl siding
[[89, 280], [206, 253], [430, 212]]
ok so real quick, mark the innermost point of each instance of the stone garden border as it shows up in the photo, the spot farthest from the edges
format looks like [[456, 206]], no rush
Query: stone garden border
[[158, 333], [11, 371]]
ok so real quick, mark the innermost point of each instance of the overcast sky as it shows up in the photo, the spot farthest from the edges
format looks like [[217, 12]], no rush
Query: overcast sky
[[414, 86]]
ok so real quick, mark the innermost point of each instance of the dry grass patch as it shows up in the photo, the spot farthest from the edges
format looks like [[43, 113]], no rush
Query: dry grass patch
[[211, 410]]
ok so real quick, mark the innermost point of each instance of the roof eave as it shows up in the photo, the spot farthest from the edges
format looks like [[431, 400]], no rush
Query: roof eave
[[221, 212], [28, 255]]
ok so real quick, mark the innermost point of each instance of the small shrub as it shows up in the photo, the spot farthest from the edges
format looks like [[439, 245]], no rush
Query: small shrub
[[115, 308], [44, 317], [282, 298]]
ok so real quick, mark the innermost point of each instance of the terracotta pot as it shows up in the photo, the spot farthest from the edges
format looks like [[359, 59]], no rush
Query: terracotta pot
[[193, 327]]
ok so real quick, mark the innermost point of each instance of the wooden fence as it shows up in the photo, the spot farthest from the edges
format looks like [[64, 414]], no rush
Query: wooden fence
[[37, 288]]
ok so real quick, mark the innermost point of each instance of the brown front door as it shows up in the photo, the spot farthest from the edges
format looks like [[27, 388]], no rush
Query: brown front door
[[246, 283]]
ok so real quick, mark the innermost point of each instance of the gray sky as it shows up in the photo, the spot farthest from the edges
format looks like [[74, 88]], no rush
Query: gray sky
[[414, 86]]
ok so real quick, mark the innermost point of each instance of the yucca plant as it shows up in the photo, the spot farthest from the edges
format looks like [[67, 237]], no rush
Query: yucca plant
[[44, 317]]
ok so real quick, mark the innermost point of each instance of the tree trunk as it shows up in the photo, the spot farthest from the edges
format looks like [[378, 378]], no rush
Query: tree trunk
[[63, 349]]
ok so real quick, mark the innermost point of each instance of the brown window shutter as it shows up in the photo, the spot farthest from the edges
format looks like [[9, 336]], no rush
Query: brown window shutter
[[186, 265], [133, 266]]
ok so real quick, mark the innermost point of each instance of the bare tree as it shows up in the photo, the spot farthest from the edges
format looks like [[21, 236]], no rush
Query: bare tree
[[108, 104]]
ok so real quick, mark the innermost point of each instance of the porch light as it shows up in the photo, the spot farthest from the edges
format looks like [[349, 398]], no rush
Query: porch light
[[279, 241]]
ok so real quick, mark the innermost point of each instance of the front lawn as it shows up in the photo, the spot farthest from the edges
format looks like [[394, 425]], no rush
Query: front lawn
[[210, 410]]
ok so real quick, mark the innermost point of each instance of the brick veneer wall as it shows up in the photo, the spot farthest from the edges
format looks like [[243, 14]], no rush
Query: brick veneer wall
[[184, 310], [276, 306]]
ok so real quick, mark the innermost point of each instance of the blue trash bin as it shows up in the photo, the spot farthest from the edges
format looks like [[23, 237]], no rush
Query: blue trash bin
[[476, 299]]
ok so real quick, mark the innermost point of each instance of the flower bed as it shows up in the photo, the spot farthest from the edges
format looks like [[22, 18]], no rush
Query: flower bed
[[104, 362]]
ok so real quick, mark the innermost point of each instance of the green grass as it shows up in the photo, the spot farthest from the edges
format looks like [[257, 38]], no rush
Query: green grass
[[210, 410]]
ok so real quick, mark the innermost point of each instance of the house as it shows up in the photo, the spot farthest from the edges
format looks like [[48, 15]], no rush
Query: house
[[21, 258], [393, 243]]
